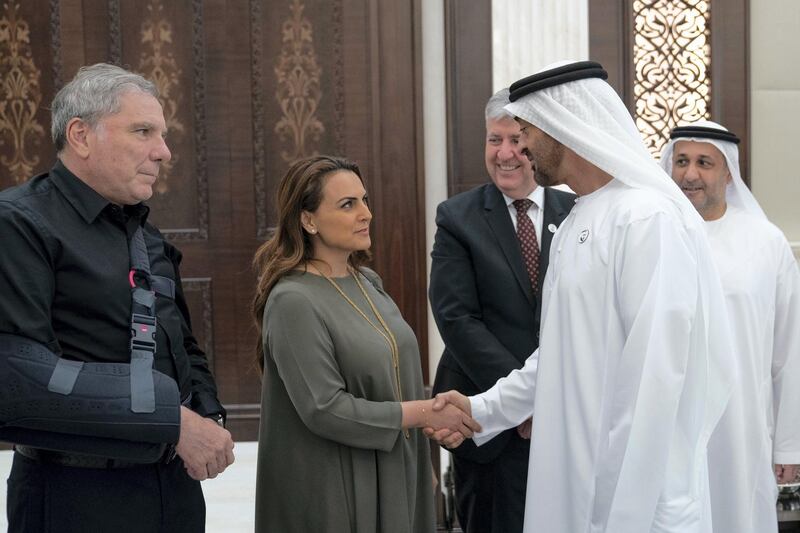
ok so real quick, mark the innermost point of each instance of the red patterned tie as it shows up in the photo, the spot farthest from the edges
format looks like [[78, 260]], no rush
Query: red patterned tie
[[526, 233]]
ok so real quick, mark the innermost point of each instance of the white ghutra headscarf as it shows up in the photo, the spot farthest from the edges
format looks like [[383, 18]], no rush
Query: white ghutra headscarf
[[588, 117], [737, 194]]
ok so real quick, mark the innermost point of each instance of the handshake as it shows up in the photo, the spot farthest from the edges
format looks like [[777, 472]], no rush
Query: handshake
[[447, 419]]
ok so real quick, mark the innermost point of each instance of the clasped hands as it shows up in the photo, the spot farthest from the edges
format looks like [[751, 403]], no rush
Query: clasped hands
[[450, 421], [454, 403]]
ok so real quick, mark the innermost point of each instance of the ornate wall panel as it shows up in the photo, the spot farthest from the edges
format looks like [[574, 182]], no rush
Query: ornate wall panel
[[55, 43], [672, 66], [163, 40], [677, 61], [297, 90], [28, 72], [114, 32], [197, 292]]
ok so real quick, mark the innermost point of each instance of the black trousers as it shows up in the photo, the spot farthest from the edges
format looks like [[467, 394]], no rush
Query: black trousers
[[48, 498], [490, 498]]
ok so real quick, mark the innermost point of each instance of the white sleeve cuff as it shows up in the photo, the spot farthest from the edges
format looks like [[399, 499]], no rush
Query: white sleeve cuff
[[480, 413]]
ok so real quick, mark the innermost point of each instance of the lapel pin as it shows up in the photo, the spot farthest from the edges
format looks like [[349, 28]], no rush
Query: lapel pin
[[552, 228]]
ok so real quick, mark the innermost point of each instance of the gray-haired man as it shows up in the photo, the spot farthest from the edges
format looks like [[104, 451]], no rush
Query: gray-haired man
[[93, 291]]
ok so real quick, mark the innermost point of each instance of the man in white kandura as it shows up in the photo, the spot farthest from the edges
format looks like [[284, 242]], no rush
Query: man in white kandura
[[761, 282], [632, 374]]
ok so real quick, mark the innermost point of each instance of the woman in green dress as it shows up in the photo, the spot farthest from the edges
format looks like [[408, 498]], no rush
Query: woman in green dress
[[342, 396]]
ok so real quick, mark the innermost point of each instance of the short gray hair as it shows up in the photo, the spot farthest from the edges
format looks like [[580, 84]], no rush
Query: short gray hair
[[91, 95], [495, 105]]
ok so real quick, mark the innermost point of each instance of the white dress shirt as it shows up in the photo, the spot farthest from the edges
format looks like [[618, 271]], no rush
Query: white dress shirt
[[535, 211]]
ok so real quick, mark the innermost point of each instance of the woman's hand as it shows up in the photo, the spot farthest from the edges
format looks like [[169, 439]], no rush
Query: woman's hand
[[446, 422]]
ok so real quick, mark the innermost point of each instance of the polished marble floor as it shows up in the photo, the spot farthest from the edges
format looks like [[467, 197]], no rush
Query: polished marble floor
[[230, 498]]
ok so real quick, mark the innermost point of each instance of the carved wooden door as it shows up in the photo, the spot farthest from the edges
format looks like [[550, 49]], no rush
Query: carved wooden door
[[247, 86]]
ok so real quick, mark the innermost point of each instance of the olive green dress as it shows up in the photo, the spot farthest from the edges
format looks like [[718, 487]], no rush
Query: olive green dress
[[331, 454]]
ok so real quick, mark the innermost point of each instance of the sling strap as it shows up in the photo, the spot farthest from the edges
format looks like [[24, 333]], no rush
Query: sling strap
[[144, 322]]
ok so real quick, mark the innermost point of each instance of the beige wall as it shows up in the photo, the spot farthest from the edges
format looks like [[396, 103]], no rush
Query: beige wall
[[775, 111]]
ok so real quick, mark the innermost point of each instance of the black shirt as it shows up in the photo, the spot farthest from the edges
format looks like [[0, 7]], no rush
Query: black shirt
[[64, 263]]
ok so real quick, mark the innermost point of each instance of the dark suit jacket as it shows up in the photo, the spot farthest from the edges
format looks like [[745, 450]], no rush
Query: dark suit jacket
[[481, 295]]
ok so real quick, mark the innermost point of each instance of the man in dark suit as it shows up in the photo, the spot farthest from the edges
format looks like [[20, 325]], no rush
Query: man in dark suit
[[489, 260]]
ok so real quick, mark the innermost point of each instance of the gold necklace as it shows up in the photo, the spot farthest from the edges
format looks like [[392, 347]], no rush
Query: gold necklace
[[384, 330]]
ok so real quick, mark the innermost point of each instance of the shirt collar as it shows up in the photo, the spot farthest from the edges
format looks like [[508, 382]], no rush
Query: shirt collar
[[537, 197], [85, 200]]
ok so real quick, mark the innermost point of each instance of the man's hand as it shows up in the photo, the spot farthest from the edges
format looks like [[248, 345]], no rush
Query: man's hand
[[786, 473], [452, 397], [205, 447], [452, 418], [524, 429]]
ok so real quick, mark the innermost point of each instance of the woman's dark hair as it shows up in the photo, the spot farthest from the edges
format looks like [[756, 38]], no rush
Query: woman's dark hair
[[290, 246]]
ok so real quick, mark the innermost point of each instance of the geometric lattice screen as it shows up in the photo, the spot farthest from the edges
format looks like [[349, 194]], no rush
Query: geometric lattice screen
[[672, 66]]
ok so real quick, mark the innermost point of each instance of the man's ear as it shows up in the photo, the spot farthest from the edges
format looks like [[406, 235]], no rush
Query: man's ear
[[77, 134]]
